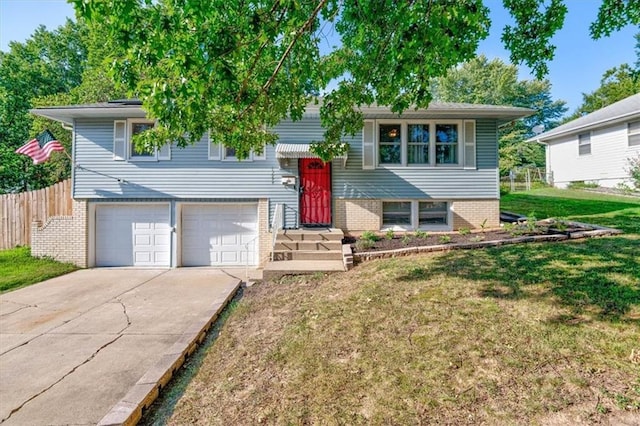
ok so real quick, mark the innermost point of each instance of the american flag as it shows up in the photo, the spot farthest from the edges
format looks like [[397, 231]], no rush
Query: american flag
[[41, 147]]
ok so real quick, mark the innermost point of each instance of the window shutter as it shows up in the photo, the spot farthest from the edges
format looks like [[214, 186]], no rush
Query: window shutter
[[368, 145], [119, 140], [469, 144], [262, 155], [215, 149], [164, 152]]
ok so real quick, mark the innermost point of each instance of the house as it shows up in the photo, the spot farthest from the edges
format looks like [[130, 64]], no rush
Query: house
[[594, 148], [433, 169]]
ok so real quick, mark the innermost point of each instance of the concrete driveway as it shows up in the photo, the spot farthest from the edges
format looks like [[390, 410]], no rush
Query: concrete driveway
[[92, 346]]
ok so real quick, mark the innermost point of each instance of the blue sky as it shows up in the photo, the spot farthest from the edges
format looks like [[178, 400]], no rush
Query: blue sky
[[577, 67]]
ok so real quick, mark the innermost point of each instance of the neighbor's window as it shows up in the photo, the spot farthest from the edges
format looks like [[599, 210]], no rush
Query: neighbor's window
[[135, 152], [418, 144], [634, 133], [432, 213], [446, 143], [584, 144], [396, 213], [390, 144]]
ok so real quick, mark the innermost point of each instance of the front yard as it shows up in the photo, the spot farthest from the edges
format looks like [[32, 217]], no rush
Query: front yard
[[19, 269], [538, 333]]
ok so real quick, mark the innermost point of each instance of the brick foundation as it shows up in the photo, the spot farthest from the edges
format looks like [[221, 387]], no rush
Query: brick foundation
[[264, 236], [357, 215], [63, 238], [472, 213]]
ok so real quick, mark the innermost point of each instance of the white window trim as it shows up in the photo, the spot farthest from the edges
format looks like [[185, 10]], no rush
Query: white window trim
[[432, 143], [580, 144], [218, 152], [415, 216], [129, 139]]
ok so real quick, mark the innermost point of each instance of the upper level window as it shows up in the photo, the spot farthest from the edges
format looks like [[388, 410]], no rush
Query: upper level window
[[418, 144], [124, 147], [390, 149], [229, 152], [423, 143], [137, 152], [218, 151], [584, 144], [634, 133], [446, 144]]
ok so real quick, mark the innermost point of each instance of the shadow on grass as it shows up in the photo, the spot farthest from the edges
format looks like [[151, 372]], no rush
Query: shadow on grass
[[600, 276]]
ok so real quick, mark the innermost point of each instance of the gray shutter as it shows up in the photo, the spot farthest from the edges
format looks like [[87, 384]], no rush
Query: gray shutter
[[120, 140], [164, 152], [368, 145], [469, 144], [215, 149]]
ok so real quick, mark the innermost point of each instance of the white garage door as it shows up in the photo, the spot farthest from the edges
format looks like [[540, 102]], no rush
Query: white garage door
[[219, 235], [137, 235]]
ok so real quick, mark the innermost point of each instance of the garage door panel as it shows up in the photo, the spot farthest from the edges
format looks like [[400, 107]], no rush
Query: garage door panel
[[215, 235], [133, 235]]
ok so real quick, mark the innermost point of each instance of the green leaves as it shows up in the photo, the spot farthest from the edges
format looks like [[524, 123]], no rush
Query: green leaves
[[238, 67], [530, 40]]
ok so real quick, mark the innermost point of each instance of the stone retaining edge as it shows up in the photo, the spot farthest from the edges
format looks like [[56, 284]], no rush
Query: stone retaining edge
[[597, 231], [128, 411]]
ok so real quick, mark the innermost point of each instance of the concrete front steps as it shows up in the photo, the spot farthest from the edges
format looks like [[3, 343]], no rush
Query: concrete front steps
[[304, 251]]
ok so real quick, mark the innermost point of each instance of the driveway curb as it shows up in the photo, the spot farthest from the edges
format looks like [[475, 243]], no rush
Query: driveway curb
[[128, 411]]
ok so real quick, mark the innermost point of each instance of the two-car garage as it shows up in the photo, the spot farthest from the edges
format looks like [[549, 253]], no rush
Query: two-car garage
[[207, 234]]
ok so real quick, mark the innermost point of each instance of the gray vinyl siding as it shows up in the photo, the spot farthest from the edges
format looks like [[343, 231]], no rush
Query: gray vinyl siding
[[407, 182], [190, 175]]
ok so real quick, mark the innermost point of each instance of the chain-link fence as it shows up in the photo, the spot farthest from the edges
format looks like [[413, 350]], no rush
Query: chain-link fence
[[525, 178]]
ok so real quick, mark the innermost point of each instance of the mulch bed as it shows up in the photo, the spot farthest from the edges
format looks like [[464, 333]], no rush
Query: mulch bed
[[407, 243]]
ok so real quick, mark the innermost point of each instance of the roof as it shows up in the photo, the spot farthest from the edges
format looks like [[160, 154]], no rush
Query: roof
[[624, 110], [133, 108]]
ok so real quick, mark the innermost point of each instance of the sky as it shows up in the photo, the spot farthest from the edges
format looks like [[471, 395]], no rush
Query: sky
[[577, 67]]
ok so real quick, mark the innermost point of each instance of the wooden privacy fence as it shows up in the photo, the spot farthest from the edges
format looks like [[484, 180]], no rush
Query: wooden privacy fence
[[20, 210]]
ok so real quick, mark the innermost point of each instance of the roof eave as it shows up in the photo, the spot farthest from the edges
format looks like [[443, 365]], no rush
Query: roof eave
[[68, 115], [542, 138]]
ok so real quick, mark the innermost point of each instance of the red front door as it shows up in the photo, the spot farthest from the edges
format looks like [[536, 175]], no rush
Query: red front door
[[315, 192]]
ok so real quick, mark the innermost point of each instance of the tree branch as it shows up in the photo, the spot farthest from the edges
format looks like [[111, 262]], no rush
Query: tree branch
[[285, 55]]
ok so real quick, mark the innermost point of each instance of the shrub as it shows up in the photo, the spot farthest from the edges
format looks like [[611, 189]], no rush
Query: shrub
[[444, 239], [389, 234], [369, 236], [363, 245], [476, 238], [406, 239], [634, 170], [421, 234], [483, 225], [464, 231], [580, 184]]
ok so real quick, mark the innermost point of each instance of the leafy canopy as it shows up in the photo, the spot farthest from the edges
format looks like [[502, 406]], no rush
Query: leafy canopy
[[495, 82], [240, 67]]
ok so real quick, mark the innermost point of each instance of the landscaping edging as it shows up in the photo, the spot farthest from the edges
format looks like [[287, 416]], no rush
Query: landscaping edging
[[597, 231]]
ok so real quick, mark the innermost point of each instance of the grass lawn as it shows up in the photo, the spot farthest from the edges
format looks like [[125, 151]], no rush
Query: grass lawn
[[535, 334], [19, 269]]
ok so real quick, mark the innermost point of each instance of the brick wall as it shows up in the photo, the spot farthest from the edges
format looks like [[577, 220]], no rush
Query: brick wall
[[63, 238], [264, 236], [472, 213], [357, 215], [365, 215]]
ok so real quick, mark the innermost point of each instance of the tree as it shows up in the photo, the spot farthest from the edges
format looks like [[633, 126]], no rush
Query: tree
[[493, 82], [238, 68], [47, 63], [60, 67], [616, 84]]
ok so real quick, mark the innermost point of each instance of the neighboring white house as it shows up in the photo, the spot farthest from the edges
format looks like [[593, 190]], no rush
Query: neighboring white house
[[595, 148]]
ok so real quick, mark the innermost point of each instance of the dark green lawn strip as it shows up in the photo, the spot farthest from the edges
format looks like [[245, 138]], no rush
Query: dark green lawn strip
[[19, 269], [606, 210]]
